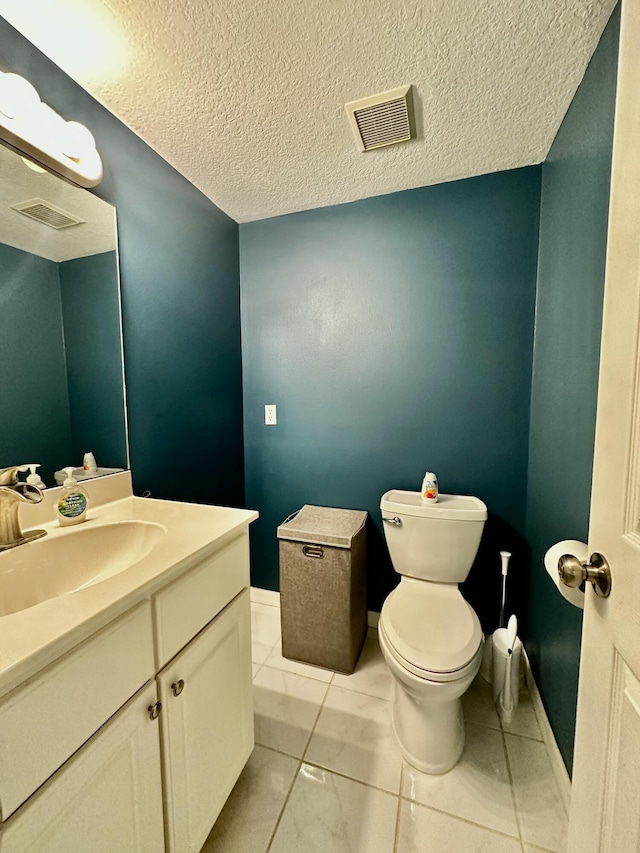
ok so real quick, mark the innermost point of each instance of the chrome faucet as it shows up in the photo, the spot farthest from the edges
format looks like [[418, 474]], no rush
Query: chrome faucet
[[12, 494]]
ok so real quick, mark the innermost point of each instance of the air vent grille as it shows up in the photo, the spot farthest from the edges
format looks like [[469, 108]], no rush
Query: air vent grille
[[47, 213], [380, 120]]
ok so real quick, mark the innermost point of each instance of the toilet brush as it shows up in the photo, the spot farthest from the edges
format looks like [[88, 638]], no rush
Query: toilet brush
[[505, 556], [506, 697], [486, 667]]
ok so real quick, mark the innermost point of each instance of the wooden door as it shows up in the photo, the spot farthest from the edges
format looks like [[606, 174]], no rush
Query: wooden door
[[605, 807]]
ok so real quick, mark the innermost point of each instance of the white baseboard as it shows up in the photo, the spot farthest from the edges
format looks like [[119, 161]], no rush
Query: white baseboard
[[555, 757], [265, 596], [373, 617]]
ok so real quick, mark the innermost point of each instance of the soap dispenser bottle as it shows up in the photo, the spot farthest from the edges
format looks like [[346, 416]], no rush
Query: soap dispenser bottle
[[34, 478], [72, 504]]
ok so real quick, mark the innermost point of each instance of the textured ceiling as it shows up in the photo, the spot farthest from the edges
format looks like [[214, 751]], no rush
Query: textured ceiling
[[18, 183], [246, 99]]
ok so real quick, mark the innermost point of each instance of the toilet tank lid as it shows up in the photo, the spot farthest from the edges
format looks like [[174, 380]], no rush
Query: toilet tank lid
[[452, 507]]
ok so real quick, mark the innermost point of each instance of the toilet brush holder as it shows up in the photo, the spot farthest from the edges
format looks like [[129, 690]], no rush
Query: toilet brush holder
[[486, 665], [500, 650]]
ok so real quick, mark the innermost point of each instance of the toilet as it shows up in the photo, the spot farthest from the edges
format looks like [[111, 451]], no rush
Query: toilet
[[430, 636]]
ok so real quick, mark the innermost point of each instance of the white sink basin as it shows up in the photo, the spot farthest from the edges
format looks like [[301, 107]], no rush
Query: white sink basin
[[71, 560]]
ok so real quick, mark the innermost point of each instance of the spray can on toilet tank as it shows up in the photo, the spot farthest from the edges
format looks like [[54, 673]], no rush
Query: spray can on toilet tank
[[429, 488]]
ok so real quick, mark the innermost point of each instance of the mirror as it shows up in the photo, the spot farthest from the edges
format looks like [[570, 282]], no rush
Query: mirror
[[61, 371]]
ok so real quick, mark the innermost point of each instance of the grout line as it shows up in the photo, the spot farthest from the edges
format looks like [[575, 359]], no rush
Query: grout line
[[463, 820], [525, 737], [361, 692], [352, 778], [315, 723], [279, 751], [284, 804], [513, 788], [299, 674], [482, 725], [396, 835]]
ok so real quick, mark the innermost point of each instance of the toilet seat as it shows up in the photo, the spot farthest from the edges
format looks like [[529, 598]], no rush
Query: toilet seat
[[431, 630]]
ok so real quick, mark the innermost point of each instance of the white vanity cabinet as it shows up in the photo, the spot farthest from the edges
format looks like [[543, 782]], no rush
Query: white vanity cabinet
[[133, 740], [206, 724], [106, 798]]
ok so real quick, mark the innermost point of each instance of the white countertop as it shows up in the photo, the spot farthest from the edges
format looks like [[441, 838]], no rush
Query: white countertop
[[31, 639]]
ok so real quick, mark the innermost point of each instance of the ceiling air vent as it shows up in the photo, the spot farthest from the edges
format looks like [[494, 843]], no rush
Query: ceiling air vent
[[384, 119], [47, 213]]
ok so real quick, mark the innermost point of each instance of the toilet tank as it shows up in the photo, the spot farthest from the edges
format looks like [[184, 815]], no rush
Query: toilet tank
[[436, 542]]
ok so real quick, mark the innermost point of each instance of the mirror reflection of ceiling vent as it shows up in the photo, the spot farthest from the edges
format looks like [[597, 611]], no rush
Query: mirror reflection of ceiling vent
[[47, 213], [384, 119]]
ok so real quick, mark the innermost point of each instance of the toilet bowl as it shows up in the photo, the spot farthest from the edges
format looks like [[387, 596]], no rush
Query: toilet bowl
[[430, 636]]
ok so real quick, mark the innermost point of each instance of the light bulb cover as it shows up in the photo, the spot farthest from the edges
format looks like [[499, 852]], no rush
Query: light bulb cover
[[17, 95], [36, 131]]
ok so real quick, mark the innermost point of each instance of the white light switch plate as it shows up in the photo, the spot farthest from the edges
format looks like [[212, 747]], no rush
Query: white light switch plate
[[270, 416]]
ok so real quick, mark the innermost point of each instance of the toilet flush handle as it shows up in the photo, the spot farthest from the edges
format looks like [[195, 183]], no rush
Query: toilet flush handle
[[395, 520]]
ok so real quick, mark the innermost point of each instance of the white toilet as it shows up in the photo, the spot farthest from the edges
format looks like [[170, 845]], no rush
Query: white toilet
[[430, 637]]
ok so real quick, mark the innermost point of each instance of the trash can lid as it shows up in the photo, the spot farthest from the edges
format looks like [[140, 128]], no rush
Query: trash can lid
[[322, 525]]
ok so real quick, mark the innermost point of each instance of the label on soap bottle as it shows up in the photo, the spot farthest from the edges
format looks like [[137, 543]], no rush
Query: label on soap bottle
[[73, 505]]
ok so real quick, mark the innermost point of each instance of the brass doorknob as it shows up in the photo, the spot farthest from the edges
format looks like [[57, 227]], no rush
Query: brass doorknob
[[573, 573]]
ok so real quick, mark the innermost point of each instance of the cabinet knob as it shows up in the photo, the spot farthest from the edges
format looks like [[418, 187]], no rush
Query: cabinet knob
[[177, 687], [154, 710]]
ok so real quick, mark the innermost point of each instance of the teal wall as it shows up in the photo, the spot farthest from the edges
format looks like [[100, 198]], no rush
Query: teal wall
[[181, 305], [34, 400], [573, 231], [92, 342], [394, 335]]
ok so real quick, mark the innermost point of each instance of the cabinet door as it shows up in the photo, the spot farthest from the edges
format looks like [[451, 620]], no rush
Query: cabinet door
[[207, 728], [106, 798]]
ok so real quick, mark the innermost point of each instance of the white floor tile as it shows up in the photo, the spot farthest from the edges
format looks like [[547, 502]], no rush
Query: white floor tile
[[353, 736], [477, 789], [249, 817], [372, 675], [543, 821], [329, 814], [477, 704], [277, 661], [265, 631], [285, 709], [524, 722], [422, 830], [469, 810]]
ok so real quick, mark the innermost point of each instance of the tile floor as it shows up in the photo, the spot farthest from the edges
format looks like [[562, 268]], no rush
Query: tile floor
[[326, 775]]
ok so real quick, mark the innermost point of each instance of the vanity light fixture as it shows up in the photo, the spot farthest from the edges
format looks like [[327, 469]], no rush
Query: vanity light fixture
[[35, 131]]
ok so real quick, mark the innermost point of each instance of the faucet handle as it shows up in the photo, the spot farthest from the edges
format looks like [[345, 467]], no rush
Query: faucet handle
[[9, 476]]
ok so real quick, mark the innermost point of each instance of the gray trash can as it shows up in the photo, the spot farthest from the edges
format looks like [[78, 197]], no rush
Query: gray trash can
[[323, 594]]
